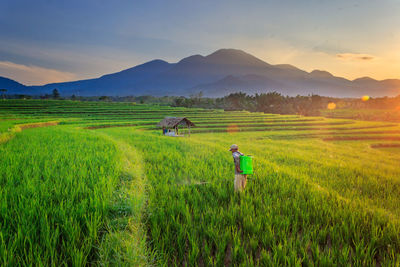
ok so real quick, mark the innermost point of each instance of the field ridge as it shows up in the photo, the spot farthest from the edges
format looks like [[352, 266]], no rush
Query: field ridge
[[4, 137], [126, 246]]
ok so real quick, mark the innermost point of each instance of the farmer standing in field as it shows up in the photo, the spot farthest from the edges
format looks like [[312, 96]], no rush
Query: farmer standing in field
[[240, 179]]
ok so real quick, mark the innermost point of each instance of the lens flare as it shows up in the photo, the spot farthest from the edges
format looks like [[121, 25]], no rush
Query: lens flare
[[365, 98], [331, 105], [232, 128]]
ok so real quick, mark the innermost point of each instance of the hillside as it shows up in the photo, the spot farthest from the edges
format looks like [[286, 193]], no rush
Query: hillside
[[222, 72]]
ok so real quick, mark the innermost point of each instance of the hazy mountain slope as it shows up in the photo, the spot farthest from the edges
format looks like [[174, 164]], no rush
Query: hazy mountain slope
[[12, 86], [220, 73], [131, 81]]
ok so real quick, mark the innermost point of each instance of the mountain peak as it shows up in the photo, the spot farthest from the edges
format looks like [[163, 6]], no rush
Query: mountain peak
[[320, 74], [5, 82], [156, 65], [234, 56], [219, 73], [191, 59], [286, 66], [364, 79], [227, 52]]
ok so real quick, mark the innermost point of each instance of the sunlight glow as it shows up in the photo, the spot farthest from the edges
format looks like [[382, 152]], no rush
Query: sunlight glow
[[365, 98], [331, 106], [232, 128]]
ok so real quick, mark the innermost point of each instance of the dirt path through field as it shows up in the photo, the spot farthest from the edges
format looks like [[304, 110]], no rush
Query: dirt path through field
[[127, 245]]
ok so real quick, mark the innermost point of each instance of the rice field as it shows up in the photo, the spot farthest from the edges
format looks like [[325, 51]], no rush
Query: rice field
[[96, 183]]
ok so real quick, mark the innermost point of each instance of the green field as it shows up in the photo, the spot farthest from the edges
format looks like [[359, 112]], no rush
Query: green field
[[367, 114], [104, 187]]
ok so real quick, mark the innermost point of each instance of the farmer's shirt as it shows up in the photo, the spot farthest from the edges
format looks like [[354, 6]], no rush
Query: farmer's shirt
[[236, 159]]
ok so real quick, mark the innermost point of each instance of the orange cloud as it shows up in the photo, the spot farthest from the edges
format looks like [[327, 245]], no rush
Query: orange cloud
[[33, 75], [351, 56]]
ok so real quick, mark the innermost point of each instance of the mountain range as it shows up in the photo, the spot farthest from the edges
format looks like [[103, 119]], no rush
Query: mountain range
[[218, 74]]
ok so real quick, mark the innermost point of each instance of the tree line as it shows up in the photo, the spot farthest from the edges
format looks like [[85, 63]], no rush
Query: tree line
[[274, 102], [270, 102]]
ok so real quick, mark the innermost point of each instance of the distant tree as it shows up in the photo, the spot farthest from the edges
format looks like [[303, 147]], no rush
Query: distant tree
[[45, 96], [56, 94], [104, 98], [73, 97], [3, 93], [21, 96], [179, 101], [196, 98]]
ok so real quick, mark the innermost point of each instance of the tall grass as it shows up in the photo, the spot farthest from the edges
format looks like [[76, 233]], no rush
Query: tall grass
[[283, 218], [128, 196], [55, 190], [125, 242]]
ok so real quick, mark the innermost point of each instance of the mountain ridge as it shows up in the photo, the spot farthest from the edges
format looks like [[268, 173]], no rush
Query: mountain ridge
[[217, 74]]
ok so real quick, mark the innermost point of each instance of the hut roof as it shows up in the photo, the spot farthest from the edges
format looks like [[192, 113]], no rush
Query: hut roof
[[171, 122]]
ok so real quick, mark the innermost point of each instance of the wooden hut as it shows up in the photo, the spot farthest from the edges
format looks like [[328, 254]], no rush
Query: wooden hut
[[170, 125]]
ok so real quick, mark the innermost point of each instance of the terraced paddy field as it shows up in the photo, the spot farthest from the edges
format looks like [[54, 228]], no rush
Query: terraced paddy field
[[94, 183]]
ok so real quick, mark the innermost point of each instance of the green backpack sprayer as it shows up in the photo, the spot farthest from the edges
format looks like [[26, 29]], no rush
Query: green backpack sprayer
[[246, 164]]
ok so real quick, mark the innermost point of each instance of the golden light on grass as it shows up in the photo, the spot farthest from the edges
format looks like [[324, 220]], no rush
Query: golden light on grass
[[365, 98], [331, 106], [232, 128]]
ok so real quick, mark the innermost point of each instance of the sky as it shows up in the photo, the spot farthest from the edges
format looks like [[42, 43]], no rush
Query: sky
[[45, 41]]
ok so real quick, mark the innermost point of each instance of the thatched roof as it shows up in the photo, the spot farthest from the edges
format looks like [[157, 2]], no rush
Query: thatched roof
[[171, 122]]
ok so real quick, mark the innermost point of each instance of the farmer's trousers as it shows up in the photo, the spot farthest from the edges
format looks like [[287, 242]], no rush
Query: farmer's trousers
[[240, 180]]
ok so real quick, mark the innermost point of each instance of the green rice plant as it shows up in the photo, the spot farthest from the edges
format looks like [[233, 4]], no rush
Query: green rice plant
[[54, 195], [287, 204], [91, 192]]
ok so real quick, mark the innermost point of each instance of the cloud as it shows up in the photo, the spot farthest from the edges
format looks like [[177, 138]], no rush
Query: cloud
[[351, 56], [33, 75]]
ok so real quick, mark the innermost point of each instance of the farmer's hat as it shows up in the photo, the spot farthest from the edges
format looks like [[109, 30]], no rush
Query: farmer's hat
[[234, 146]]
